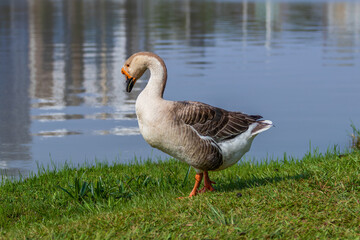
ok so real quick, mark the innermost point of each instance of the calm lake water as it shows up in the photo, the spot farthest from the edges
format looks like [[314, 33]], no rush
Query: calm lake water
[[62, 95]]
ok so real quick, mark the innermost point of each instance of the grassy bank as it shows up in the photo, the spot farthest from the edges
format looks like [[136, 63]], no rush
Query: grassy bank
[[317, 197]]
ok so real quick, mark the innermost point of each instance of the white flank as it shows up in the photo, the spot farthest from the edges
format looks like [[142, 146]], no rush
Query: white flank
[[234, 149]]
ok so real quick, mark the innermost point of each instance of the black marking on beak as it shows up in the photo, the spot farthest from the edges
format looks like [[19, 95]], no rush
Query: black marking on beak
[[130, 84]]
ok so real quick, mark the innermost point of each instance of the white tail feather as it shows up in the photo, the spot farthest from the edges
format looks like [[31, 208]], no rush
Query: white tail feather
[[262, 126]]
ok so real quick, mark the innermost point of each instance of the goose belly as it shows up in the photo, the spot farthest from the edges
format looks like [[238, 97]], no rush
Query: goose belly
[[158, 135], [182, 143], [157, 139]]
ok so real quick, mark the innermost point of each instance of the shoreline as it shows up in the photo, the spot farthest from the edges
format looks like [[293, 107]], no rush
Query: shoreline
[[317, 195]]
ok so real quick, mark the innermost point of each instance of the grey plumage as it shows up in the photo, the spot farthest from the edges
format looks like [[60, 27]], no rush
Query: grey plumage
[[212, 125]]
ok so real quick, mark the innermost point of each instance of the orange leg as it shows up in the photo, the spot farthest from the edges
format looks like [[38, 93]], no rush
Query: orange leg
[[207, 183], [198, 178]]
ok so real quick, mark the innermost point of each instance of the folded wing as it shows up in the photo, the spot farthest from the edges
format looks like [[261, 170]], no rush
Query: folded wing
[[216, 123]]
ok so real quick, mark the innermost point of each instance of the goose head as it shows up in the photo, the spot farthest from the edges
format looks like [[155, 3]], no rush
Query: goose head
[[133, 69]]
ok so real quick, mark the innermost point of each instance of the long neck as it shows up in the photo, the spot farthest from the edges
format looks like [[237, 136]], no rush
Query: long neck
[[158, 76]]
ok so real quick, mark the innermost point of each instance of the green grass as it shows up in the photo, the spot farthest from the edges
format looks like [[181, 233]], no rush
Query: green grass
[[355, 137], [316, 197]]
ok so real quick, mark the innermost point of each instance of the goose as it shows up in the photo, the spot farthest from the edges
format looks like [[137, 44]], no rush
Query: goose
[[205, 137]]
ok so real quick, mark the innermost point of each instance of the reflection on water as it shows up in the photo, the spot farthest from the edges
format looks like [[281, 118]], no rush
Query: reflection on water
[[15, 137], [62, 92]]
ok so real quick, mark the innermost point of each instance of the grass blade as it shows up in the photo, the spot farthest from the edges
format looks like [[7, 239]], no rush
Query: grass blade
[[186, 177]]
